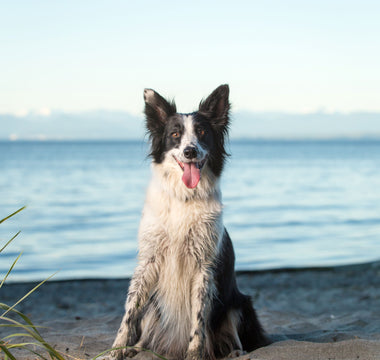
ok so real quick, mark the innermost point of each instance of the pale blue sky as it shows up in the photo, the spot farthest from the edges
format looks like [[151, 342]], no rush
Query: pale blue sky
[[292, 56]]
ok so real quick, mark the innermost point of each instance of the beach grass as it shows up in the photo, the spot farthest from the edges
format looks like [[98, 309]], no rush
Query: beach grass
[[24, 335], [20, 326]]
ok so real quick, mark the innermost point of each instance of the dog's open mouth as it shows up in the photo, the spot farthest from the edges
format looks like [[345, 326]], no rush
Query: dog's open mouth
[[191, 172]]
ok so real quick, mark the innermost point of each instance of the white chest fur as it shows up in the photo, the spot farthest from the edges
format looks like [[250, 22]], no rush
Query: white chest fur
[[180, 221], [183, 237]]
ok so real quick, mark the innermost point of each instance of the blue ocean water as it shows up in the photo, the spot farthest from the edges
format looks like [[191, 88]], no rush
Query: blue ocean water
[[287, 204]]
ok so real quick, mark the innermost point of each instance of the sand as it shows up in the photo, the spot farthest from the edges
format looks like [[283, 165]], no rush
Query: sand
[[327, 313]]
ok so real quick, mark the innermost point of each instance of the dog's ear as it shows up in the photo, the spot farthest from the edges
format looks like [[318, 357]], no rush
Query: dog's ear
[[216, 107], [157, 109]]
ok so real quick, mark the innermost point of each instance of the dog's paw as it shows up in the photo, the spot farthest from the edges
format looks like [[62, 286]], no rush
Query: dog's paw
[[131, 352], [236, 353], [145, 355], [117, 354], [193, 355], [197, 354], [125, 353]]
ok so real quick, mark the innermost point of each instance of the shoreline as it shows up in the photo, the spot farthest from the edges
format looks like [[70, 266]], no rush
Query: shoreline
[[241, 272], [317, 313]]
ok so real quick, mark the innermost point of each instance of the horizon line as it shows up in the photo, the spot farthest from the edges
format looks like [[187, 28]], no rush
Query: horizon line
[[364, 137], [47, 112]]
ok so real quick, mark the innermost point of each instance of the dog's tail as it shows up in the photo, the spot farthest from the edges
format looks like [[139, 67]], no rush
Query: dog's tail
[[251, 334]]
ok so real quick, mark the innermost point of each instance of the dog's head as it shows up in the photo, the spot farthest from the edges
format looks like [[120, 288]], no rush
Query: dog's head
[[192, 141]]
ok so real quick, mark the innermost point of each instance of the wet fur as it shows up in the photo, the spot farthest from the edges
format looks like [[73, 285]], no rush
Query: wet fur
[[183, 301]]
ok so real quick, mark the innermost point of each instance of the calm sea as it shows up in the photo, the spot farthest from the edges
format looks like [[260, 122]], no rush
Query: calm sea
[[287, 204]]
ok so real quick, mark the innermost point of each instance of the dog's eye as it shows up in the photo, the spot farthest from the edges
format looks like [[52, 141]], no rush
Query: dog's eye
[[201, 131], [175, 135]]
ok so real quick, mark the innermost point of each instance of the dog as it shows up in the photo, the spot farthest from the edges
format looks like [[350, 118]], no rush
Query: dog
[[183, 301]]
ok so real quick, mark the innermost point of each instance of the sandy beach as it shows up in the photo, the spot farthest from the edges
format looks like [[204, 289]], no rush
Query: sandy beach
[[320, 313]]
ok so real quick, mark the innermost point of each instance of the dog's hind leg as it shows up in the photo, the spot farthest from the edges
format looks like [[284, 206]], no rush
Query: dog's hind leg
[[144, 278]]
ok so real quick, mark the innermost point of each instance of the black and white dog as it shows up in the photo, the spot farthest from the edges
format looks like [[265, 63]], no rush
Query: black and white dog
[[183, 301]]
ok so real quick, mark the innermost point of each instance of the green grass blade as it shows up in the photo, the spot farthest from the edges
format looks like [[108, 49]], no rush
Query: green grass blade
[[16, 335], [9, 325], [7, 352], [25, 296], [9, 242], [21, 315], [9, 271], [31, 332], [30, 328], [126, 347], [24, 346], [15, 323], [9, 216]]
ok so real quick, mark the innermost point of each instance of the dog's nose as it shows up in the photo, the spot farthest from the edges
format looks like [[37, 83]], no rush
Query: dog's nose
[[190, 152]]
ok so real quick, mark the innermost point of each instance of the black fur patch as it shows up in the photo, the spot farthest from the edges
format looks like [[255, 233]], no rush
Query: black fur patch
[[229, 298]]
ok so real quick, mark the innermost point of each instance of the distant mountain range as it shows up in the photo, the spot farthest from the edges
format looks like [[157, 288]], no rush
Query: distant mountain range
[[112, 125]]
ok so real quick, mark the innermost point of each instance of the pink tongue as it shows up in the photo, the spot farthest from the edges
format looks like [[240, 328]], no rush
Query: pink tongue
[[191, 175]]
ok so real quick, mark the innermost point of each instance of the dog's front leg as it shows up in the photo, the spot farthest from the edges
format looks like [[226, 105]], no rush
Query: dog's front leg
[[201, 299], [142, 281]]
